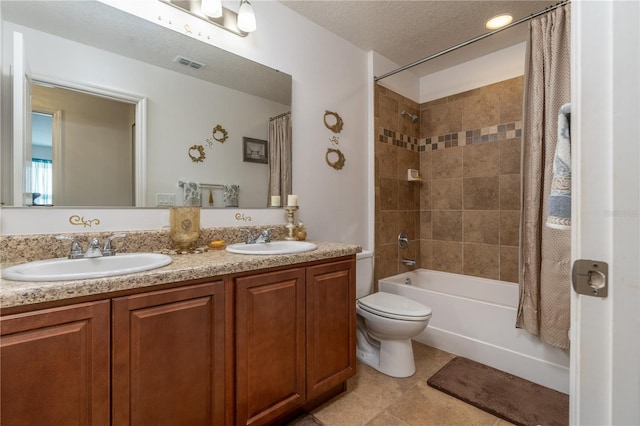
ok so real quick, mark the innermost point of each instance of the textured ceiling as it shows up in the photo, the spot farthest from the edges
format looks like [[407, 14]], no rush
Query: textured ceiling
[[406, 31]]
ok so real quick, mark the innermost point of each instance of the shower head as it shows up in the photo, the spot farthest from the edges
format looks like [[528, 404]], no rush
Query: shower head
[[414, 118]]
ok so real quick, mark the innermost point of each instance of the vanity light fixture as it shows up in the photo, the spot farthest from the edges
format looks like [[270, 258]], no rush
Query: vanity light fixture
[[246, 17], [498, 21], [212, 11], [212, 8]]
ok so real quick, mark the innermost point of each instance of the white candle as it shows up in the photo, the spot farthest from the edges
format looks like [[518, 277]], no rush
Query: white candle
[[292, 200], [275, 201]]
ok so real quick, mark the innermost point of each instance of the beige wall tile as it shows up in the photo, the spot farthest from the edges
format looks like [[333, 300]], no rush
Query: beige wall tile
[[481, 160], [446, 194], [510, 227], [425, 194], [482, 226], [481, 110], [407, 160], [388, 112], [387, 226], [482, 260], [510, 156], [425, 225], [426, 254], [408, 195], [445, 118], [510, 192], [388, 194], [426, 165], [446, 225], [446, 163], [481, 193], [509, 264], [386, 261], [510, 95], [447, 256], [386, 160]]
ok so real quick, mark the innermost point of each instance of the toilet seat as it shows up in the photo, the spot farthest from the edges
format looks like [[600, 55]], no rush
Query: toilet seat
[[394, 306]]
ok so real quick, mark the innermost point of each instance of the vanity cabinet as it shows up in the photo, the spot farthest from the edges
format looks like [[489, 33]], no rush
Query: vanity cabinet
[[295, 338], [54, 366], [250, 348], [169, 357]]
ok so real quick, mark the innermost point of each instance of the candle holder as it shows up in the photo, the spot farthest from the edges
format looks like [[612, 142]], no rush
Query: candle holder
[[291, 210]]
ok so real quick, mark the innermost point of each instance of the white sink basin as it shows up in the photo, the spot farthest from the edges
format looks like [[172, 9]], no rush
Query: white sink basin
[[79, 269], [274, 247]]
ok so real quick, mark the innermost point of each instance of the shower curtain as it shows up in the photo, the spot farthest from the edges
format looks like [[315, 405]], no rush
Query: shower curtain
[[545, 257], [279, 157]]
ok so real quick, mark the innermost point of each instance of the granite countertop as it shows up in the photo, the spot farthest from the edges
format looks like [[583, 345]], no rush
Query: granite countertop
[[183, 268]]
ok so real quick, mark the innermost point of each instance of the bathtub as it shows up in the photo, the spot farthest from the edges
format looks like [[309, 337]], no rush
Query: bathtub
[[475, 318]]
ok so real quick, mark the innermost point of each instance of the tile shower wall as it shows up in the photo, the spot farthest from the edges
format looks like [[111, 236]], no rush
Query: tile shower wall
[[464, 216]]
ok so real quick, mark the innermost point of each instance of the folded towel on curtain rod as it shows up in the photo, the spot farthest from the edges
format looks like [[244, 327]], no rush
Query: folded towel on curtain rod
[[559, 205], [192, 195], [230, 195]]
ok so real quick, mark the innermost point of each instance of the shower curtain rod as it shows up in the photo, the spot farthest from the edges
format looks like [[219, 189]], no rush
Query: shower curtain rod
[[279, 115], [468, 42]]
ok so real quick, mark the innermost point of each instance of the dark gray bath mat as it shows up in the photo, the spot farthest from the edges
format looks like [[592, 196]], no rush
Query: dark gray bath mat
[[504, 395]]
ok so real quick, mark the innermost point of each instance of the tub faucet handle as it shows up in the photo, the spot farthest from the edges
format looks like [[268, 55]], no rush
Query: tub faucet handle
[[403, 240]]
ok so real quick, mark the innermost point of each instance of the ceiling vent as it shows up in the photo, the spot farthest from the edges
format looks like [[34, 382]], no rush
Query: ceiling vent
[[188, 62]]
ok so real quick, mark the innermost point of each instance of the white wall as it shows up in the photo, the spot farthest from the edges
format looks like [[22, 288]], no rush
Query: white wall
[[328, 74]]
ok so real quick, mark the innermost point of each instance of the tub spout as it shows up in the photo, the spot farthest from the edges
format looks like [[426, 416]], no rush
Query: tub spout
[[408, 262]]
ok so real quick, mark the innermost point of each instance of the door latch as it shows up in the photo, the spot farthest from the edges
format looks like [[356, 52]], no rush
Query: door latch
[[589, 277]]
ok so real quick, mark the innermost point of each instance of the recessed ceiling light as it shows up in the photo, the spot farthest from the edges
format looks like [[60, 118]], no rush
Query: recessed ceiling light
[[498, 21]]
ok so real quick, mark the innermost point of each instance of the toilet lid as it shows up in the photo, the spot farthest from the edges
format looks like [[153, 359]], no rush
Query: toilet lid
[[394, 306]]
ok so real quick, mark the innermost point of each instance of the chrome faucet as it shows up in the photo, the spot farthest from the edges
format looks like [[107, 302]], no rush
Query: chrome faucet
[[408, 262], [93, 250], [263, 236]]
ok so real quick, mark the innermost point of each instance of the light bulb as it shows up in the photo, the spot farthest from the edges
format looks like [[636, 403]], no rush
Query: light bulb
[[498, 22], [246, 17], [212, 8]]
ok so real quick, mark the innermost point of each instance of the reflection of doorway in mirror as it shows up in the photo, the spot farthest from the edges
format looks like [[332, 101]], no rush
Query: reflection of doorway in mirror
[[42, 158], [93, 145]]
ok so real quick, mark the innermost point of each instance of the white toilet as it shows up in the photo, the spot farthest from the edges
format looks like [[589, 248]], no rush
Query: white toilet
[[385, 324]]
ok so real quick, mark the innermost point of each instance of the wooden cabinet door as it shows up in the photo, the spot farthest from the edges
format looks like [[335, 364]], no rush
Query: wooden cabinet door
[[168, 357], [54, 366], [331, 322], [270, 349]]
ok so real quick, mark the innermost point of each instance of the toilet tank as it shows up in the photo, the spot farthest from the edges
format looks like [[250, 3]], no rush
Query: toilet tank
[[364, 273]]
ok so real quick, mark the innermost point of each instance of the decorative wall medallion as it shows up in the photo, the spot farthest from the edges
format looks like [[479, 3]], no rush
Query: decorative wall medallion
[[335, 158], [220, 134], [334, 140], [200, 153], [77, 220], [242, 217], [333, 121]]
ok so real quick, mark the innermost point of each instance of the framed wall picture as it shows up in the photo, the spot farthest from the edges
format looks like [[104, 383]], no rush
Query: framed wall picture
[[255, 150]]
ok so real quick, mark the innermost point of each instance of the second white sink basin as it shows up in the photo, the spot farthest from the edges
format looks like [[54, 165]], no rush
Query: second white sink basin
[[78, 269], [274, 247]]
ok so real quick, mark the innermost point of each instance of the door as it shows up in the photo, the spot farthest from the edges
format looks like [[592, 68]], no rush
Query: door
[[169, 357], [270, 349], [21, 98], [605, 332], [54, 366], [331, 325]]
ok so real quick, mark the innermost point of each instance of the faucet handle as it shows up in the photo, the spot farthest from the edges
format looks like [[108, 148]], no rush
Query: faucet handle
[[109, 249], [76, 251], [250, 239], [264, 235]]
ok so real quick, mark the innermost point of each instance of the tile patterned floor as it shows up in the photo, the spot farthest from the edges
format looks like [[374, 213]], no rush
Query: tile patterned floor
[[374, 399]]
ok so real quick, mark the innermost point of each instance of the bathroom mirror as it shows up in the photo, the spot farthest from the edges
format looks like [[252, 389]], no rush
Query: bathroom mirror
[[189, 88]]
